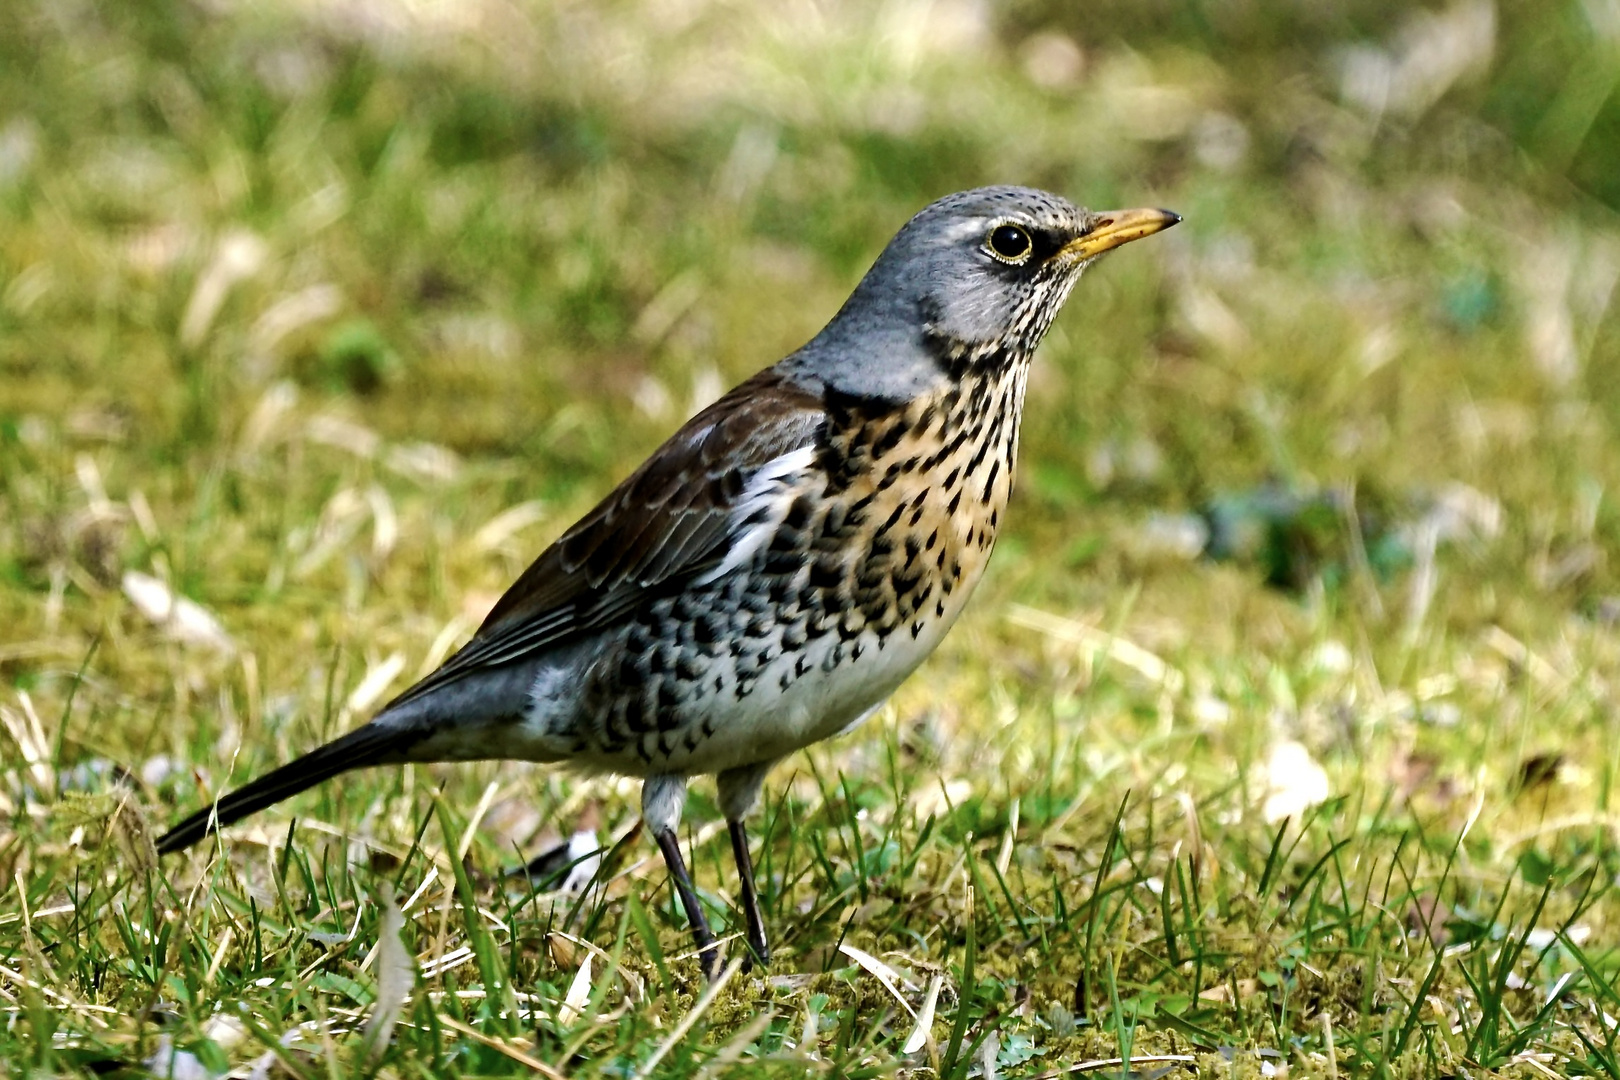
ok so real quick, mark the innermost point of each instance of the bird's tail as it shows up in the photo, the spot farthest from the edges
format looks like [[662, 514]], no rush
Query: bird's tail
[[370, 744]]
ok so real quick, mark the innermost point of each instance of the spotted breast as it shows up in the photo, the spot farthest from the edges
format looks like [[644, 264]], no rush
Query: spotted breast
[[852, 556]]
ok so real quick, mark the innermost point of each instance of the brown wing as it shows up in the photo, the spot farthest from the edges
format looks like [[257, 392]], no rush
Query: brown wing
[[668, 520]]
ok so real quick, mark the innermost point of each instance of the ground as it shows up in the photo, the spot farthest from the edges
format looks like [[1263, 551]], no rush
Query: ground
[[1281, 738]]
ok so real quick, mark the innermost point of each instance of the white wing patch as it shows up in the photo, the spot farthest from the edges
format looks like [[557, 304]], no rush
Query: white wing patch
[[760, 510]]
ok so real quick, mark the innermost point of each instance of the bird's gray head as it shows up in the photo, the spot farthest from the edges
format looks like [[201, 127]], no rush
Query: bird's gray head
[[974, 278]]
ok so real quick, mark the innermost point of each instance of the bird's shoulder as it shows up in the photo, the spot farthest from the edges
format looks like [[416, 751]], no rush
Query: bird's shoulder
[[665, 517]]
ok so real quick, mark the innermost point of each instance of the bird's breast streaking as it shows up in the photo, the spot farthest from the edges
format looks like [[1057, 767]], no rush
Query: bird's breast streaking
[[863, 557]]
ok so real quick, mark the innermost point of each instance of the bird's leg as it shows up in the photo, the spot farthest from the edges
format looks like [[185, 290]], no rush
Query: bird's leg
[[757, 944], [739, 791], [662, 798]]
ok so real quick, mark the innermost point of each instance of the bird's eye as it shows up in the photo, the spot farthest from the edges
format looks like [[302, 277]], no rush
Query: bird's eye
[[1009, 242]]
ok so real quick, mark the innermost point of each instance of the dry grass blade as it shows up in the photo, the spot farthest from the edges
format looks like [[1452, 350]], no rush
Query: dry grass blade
[[578, 995], [396, 978], [923, 1030], [1100, 645], [500, 1046], [25, 730], [884, 974], [738, 1044]]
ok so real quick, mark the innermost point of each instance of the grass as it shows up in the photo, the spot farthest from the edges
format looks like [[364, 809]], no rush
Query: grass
[[326, 318]]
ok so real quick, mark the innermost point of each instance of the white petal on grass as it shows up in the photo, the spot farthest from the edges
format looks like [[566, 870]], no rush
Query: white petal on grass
[[578, 996], [925, 1019], [881, 971], [396, 978], [185, 620], [1291, 781]]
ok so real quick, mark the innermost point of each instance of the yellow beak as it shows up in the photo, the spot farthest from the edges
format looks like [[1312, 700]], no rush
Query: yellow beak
[[1111, 228]]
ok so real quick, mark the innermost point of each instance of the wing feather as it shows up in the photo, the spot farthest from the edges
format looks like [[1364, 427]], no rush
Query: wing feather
[[670, 520]]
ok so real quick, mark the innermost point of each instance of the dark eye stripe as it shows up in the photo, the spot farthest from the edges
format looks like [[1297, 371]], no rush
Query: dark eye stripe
[[1047, 243]]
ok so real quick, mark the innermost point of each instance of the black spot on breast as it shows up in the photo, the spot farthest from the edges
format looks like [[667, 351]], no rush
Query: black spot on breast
[[826, 573], [781, 588], [885, 443], [634, 716], [798, 515]]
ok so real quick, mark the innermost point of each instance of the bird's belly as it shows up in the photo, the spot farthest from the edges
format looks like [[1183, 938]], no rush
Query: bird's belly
[[758, 699], [803, 698]]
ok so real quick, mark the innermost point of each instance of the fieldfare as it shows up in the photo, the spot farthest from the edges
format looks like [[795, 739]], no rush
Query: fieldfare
[[772, 572]]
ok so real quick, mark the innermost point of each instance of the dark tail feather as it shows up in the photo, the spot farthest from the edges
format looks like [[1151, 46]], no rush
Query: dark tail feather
[[371, 744]]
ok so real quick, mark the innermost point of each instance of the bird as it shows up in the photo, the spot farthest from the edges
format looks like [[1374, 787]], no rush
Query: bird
[[774, 570]]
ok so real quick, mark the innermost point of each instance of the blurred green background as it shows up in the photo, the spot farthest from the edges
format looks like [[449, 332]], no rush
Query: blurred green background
[[536, 236], [325, 315]]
